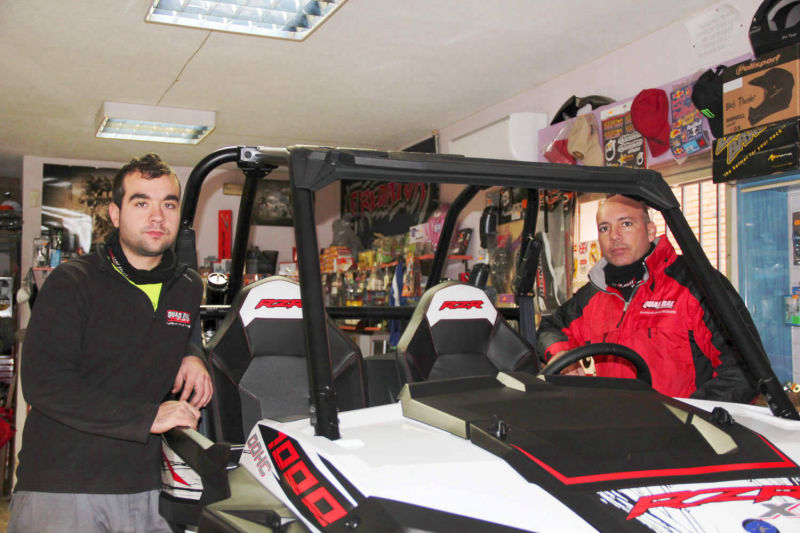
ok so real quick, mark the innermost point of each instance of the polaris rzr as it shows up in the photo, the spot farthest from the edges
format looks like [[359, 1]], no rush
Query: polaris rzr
[[459, 430]]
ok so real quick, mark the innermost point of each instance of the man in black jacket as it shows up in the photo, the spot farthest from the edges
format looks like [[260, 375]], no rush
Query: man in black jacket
[[112, 334]]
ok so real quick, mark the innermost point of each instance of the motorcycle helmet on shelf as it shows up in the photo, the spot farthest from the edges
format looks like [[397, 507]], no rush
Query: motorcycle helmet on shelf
[[775, 24]]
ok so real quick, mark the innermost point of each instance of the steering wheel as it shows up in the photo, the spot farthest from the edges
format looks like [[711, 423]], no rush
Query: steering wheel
[[601, 348]]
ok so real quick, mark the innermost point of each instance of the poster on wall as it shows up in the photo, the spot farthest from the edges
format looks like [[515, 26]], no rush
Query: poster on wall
[[273, 204], [76, 199], [585, 255], [388, 208], [623, 146]]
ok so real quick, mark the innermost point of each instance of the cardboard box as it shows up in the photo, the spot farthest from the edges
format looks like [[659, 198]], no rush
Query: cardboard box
[[761, 91], [757, 151]]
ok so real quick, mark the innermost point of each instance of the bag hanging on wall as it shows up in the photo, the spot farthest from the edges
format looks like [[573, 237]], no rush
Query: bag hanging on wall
[[570, 108]]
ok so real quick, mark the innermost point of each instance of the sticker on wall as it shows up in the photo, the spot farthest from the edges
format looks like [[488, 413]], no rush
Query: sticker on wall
[[623, 146], [686, 137]]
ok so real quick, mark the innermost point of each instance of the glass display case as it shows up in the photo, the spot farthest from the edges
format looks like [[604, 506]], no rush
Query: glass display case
[[768, 225]]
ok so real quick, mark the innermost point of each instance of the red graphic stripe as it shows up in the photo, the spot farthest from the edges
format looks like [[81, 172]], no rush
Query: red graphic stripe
[[175, 475], [698, 470]]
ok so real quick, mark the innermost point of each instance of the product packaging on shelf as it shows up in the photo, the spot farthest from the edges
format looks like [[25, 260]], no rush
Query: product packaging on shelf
[[757, 151], [762, 90]]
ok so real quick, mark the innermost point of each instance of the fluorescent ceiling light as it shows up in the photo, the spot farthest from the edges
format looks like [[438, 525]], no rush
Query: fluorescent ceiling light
[[284, 19], [154, 123]]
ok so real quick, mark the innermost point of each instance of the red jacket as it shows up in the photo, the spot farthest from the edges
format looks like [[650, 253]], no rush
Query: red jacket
[[666, 321]]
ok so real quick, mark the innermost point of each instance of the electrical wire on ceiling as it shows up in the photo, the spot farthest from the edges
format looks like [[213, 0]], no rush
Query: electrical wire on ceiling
[[186, 64]]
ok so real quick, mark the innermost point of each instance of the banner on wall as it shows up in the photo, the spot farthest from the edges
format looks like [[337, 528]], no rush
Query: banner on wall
[[387, 208]]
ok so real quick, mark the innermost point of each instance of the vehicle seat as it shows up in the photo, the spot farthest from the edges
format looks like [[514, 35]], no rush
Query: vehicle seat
[[257, 361], [455, 331]]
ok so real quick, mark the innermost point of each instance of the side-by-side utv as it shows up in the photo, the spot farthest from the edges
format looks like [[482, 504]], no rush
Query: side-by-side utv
[[302, 434]]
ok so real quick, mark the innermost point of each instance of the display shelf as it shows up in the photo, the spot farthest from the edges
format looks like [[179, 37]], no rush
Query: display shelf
[[426, 257], [39, 275]]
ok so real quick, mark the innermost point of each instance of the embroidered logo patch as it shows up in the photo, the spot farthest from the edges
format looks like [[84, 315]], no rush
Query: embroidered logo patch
[[179, 318], [658, 304]]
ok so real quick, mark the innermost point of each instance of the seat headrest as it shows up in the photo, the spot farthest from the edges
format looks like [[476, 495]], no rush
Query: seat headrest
[[273, 297], [456, 301]]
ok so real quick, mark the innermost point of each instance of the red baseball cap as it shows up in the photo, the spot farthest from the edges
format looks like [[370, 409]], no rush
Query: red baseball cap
[[650, 115]]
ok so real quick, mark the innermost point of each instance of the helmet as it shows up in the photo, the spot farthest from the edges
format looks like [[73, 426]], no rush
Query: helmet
[[776, 24], [777, 84]]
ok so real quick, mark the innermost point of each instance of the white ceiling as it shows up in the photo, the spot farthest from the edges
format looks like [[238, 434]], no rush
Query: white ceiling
[[379, 74]]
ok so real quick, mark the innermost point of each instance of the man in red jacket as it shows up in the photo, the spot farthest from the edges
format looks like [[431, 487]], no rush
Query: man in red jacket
[[642, 295]]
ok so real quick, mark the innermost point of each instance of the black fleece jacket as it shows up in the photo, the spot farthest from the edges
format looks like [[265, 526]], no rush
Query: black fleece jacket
[[96, 363]]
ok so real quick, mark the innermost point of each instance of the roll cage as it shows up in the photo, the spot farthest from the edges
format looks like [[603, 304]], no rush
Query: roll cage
[[313, 168]]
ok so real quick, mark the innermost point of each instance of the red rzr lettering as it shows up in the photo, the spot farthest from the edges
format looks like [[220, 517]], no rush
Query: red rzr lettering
[[680, 500], [272, 303], [462, 304]]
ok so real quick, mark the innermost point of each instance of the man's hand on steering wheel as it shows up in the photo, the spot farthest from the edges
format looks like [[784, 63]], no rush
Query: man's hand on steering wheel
[[564, 360], [583, 367]]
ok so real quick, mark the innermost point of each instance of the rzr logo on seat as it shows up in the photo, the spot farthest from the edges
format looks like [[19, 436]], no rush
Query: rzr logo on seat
[[272, 303], [462, 304]]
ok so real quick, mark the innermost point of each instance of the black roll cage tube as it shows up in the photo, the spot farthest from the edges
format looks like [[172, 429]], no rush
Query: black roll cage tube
[[313, 168]]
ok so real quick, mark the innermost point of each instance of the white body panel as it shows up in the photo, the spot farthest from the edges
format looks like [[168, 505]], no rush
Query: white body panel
[[387, 455]]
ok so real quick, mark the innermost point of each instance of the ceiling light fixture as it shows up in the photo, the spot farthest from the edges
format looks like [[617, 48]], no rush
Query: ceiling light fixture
[[284, 19], [154, 123]]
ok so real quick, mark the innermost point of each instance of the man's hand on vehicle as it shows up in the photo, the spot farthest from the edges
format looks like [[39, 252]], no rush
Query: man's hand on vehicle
[[193, 377], [575, 369], [174, 414]]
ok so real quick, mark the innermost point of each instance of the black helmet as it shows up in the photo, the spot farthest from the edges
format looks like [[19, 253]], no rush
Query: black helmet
[[777, 84], [776, 24]]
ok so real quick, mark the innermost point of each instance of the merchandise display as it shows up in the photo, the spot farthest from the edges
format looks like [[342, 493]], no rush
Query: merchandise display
[[707, 98], [583, 142], [390, 272], [762, 90], [650, 116], [757, 151]]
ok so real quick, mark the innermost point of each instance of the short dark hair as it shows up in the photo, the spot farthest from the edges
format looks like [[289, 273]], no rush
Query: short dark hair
[[150, 166]]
